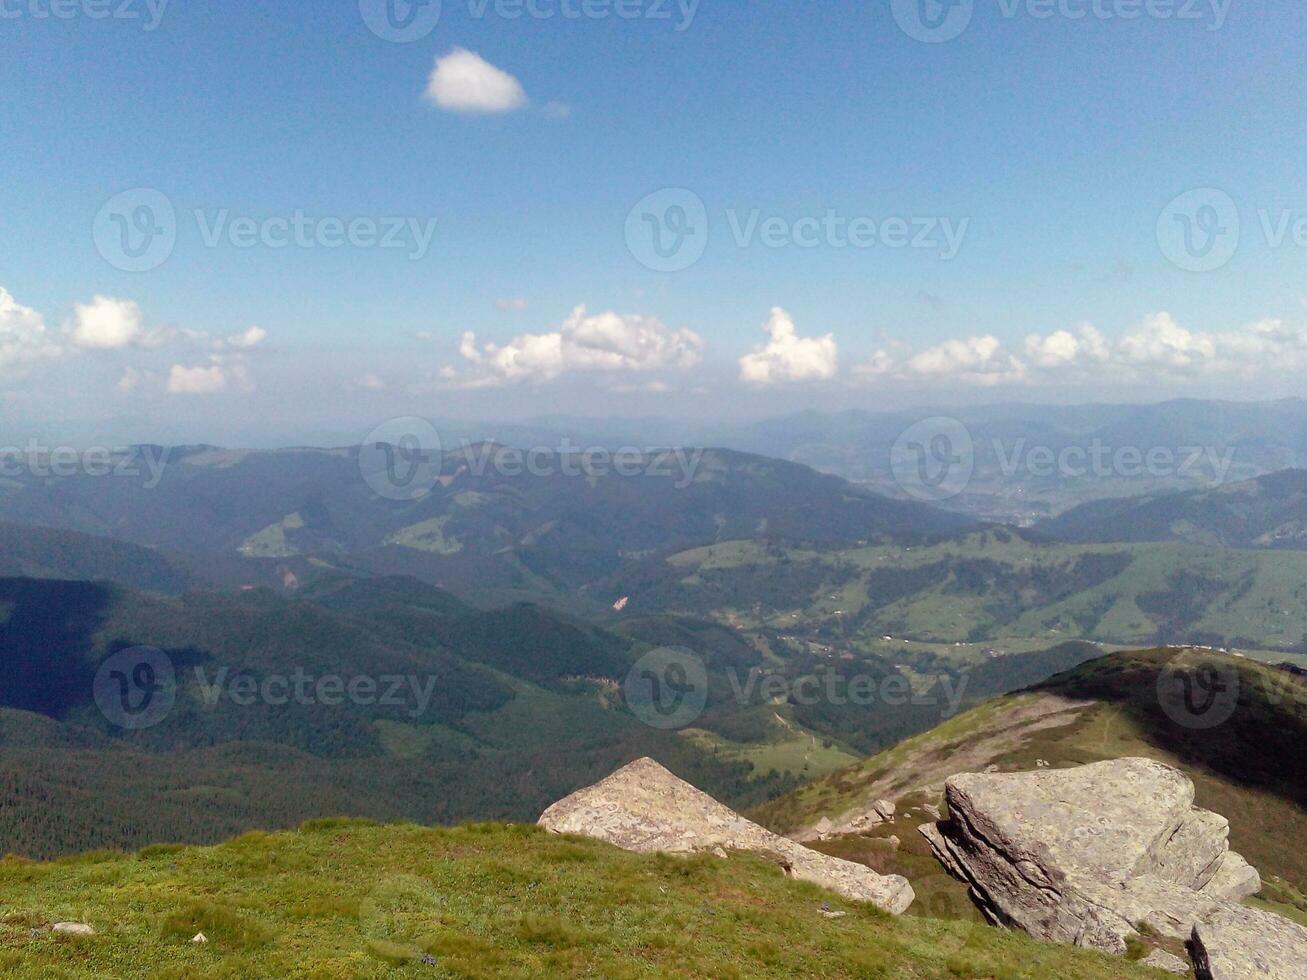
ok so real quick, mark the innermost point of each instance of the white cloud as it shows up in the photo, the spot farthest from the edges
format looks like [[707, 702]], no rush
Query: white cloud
[[1158, 346], [196, 380], [647, 388], [1063, 348], [463, 81], [878, 365], [973, 360], [370, 382], [604, 342], [23, 337], [245, 340], [787, 357], [557, 110], [107, 324], [1159, 342], [511, 304]]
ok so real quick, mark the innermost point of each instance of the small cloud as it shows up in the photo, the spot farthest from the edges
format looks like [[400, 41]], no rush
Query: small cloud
[[511, 305], [130, 381], [107, 324], [974, 360], [648, 388], [196, 380], [1063, 348], [370, 382], [557, 110], [787, 357], [246, 340], [463, 81]]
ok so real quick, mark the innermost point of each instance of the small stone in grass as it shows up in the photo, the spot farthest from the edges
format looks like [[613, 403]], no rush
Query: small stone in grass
[[72, 929]]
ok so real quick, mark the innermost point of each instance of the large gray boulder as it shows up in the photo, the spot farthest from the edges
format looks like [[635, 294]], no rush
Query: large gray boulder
[[1234, 942], [1084, 856], [644, 808]]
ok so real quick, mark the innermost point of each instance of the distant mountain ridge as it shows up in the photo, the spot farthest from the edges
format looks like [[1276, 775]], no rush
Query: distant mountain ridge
[[489, 518], [1267, 512]]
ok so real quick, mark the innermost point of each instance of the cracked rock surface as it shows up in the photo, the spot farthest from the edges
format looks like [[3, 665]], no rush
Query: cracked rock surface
[[645, 808], [1085, 856]]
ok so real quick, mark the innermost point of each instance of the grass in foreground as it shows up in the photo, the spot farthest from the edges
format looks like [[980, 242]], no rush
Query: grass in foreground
[[343, 899]]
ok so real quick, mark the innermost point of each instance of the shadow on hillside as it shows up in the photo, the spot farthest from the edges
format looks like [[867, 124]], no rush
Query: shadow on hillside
[[1259, 745], [45, 636]]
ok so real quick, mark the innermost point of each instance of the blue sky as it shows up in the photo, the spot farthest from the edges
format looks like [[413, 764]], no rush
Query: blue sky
[[1051, 145]]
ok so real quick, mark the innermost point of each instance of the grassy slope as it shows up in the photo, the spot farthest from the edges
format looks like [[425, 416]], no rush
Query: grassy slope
[[345, 900], [1249, 769]]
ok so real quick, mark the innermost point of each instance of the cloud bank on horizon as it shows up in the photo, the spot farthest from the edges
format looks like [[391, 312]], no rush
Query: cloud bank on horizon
[[619, 347]]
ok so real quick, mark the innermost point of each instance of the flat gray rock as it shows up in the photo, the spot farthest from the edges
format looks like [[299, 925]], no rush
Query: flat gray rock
[[1160, 959], [72, 929], [1238, 943], [644, 808]]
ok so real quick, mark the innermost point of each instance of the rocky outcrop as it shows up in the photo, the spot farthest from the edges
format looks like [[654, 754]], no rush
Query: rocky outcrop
[[644, 808], [1086, 856], [1234, 942]]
